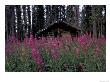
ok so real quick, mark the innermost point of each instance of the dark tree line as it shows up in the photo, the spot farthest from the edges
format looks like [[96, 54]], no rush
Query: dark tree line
[[37, 18], [21, 19], [94, 20]]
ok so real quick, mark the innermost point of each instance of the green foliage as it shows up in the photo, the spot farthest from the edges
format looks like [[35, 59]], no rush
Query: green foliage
[[20, 62], [67, 62]]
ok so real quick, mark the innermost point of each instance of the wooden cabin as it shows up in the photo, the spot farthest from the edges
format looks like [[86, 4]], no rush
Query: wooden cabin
[[59, 29]]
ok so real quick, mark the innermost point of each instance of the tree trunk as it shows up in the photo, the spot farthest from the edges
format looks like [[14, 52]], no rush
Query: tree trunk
[[94, 21]]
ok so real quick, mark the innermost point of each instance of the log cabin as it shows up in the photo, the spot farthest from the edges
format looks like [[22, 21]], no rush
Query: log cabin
[[59, 28]]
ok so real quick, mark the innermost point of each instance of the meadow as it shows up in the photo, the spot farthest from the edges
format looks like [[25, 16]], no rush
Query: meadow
[[60, 54]]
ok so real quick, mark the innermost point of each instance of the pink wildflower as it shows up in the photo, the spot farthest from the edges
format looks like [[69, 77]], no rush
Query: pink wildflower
[[83, 40], [31, 41], [37, 56]]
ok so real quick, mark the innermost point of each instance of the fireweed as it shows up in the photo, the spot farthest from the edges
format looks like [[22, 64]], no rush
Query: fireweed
[[55, 47], [10, 44], [37, 57]]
